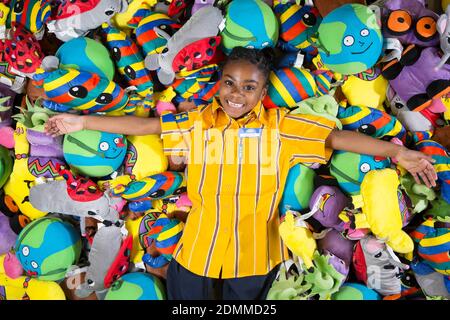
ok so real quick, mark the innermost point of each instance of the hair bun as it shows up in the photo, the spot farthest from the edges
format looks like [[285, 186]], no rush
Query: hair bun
[[269, 55]]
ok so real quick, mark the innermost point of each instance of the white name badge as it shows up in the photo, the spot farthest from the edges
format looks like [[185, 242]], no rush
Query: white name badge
[[250, 132]]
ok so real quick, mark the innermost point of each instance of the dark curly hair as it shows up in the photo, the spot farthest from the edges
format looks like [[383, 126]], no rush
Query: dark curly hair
[[262, 59]]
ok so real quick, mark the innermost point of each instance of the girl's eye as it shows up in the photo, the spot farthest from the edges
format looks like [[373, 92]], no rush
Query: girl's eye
[[228, 82], [249, 88]]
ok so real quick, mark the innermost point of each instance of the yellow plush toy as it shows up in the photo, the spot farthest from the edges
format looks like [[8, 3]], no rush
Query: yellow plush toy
[[298, 239], [446, 102], [147, 157], [366, 90], [4, 10], [133, 229], [445, 3], [17, 189], [144, 158], [25, 288], [380, 209], [121, 19]]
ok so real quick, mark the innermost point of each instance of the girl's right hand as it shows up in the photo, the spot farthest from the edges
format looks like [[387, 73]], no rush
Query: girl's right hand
[[64, 124]]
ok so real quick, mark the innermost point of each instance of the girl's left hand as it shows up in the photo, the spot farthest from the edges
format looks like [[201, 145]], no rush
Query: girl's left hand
[[419, 165]]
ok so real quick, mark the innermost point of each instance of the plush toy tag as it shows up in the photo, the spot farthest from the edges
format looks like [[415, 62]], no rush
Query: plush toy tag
[[288, 264], [300, 223], [299, 60], [395, 46], [377, 11], [140, 265], [222, 24], [378, 3], [19, 84], [395, 260]]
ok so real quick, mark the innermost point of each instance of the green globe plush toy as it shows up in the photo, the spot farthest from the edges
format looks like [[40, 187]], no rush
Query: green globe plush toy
[[94, 153], [355, 291], [86, 55], [298, 189], [259, 30], [136, 286], [350, 39], [47, 247]]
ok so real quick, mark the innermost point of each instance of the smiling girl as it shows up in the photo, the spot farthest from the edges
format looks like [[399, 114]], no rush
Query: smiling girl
[[238, 155]]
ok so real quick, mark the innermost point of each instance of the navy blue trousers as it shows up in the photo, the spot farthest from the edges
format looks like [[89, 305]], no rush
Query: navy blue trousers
[[185, 285]]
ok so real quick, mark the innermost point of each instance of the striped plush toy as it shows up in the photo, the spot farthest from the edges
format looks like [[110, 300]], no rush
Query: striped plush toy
[[289, 86], [166, 233], [199, 85], [157, 186], [31, 14], [130, 64], [86, 92], [298, 26], [442, 164], [144, 21], [433, 239], [371, 121]]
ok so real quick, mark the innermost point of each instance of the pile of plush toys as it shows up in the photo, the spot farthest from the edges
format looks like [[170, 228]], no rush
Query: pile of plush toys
[[93, 215]]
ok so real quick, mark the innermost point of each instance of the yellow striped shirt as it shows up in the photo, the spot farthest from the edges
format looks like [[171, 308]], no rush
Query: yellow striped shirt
[[236, 172]]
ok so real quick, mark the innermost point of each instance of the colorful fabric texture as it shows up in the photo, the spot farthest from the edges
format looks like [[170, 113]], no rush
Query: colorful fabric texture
[[130, 64], [372, 122], [298, 25], [441, 165], [31, 14], [289, 86], [86, 92], [433, 240], [144, 21]]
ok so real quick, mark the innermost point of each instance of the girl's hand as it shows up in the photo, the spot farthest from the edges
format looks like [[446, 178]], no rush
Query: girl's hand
[[419, 165], [63, 124]]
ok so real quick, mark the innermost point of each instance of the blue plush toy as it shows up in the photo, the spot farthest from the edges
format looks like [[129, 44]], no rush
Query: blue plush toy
[[257, 30], [137, 286], [47, 247], [350, 39], [298, 189], [94, 153]]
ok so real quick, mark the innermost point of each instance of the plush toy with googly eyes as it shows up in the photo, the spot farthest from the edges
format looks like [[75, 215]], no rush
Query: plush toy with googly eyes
[[47, 247], [350, 39], [350, 169], [94, 153], [410, 22]]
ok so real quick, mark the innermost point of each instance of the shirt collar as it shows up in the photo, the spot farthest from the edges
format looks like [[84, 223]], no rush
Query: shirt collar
[[258, 112]]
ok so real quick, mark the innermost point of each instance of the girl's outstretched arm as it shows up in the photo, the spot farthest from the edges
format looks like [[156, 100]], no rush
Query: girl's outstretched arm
[[127, 125], [417, 163]]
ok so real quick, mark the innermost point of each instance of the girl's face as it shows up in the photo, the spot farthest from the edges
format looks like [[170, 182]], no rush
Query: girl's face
[[242, 86]]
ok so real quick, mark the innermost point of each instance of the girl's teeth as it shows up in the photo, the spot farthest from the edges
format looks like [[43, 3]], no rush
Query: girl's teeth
[[235, 105]]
